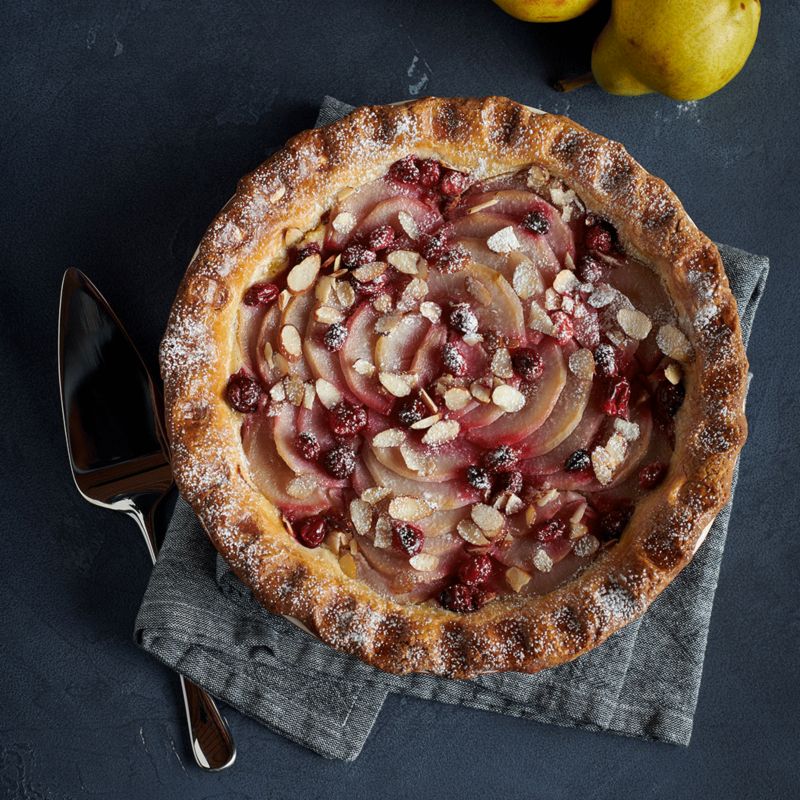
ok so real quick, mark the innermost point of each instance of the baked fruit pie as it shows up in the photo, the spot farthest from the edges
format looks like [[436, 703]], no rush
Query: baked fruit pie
[[456, 384]]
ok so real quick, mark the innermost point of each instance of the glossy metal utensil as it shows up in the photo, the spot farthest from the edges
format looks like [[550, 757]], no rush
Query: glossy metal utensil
[[118, 453]]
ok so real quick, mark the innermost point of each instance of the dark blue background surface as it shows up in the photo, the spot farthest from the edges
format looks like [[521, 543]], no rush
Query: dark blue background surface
[[125, 126]]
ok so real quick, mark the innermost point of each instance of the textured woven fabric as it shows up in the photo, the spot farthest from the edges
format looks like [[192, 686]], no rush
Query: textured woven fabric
[[199, 619]]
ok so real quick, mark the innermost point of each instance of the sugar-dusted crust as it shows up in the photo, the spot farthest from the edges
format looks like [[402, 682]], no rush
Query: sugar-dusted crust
[[292, 189]]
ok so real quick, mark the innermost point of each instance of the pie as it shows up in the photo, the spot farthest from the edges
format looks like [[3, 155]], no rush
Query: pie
[[456, 384]]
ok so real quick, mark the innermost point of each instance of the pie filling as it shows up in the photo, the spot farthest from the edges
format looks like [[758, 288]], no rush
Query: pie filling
[[458, 389]]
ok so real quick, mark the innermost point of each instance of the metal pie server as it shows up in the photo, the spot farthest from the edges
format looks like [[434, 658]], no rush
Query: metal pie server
[[118, 453]]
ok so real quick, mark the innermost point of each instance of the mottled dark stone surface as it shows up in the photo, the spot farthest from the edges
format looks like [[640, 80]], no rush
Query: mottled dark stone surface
[[125, 126]]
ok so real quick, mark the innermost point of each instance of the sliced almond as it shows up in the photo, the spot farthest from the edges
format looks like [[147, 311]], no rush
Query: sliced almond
[[383, 532], [431, 311], [368, 272], [472, 338], [504, 241], [508, 398], [673, 374], [569, 262], [408, 224], [343, 223], [291, 346], [324, 289], [375, 494], [527, 280], [479, 291], [268, 355], [424, 562], [537, 177], [309, 393], [404, 261], [517, 578], [382, 303], [567, 304], [673, 343], [586, 546], [302, 276], [471, 533], [328, 394], [542, 561], [292, 236], [485, 204], [565, 281], [348, 565], [616, 337], [577, 515], [552, 300], [301, 487], [283, 299], [327, 315], [391, 437], [581, 363], [456, 398], [630, 430], [277, 393], [635, 324], [441, 432], [388, 323], [277, 194], [428, 400], [602, 296], [514, 504], [397, 385], [577, 529], [415, 290], [294, 388], [418, 462], [530, 515], [488, 519], [409, 509], [501, 363], [480, 392], [539, 320], [281, 363], [345, 293], [361, 516], [602, 465], [426, 422], [546, 497], [363, 367]]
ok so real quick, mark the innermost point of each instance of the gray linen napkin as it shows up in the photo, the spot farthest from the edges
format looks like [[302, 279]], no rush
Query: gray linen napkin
[[197, 618]]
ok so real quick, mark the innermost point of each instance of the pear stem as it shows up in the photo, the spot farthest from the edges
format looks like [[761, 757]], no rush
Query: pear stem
[[571, 84]]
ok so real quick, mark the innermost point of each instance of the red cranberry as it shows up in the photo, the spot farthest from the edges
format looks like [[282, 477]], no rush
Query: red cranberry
[[261, 294], [599, 237], [310, 249], [340, 461], [430, 170], [410, 410], [335, 337], [536, 222], [459, 598], [405, 170], [381, 238], [587, 330], [347, 419], [243, 392], [478, 478], [550, 531], [510, 481], [453, 259], [453, 183], [562, 327], [613, 522], [462, 319], [356, 255], [501, 459], [527, 363], [617, 402], [308, 445], [605, 357], [453, 360], [669, 399], [432, 245], [579, 461], [477, 570], [408, 538], [650, 475], [590, 269], [312, 531]]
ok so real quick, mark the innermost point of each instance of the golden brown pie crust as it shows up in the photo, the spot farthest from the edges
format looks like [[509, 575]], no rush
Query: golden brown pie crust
[[292, 190]]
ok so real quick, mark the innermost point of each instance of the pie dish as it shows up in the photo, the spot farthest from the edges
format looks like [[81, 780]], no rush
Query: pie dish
[[456, 384]]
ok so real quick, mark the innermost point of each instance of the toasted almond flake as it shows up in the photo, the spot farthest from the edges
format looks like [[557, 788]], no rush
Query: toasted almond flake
[[391, 437], [635, 324], [456, 398], [480, 392], [577, 515], [673, 343], [309, 393], [327, 315], [363, 367], [345, 293], [375, 494], [602, 296], [302, 276], [577, 529], [277, 194], [428, 400], [324, 289], [567, 304], [382, 303], [561, 196], [283, 299], [530, 515], [277, 392], [383, 532], [673, 374], [294, 388], [581, 363], [569, 262], [616, 447], [602, 465], [477, 289], [281, 363], [348, 565], [517, 578], [586, 546], [542, 561], [344, 193], [291, 345], [472, 338], [540, 320], [268, 355], [426, 422], [409, 509], [441, 432], [292, 236], [412, 294], [343, 223], [368, 272], [396, 385], [565, 282], [488, 519], [514, 504], [508, 398], [404, 261], [485, 204], [353, 546], [566, 213], [552, 300], [471, 533], [503, 241], [537, 177], [416, 461], [616, 337], [629, 430], [527, 280], [408, 224], [361, 516], [388, 323], [335, 541], [431, 311], [501, 363], [328, 394], [424, 562], [301, 487], [546, 497]]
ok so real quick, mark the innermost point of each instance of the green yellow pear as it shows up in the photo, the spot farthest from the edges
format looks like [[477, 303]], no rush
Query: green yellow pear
[[685, 49], [545, 10]]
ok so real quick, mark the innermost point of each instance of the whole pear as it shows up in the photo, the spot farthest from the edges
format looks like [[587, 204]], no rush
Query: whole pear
[[685, 49], [545, 10]]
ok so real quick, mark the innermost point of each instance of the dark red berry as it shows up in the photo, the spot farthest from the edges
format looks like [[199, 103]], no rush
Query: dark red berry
[[536, 222], [406, 170], [381, 238], [261, 294], [459, 598], [476, 571], [579, 461], [562, 327], [340, 461], [410, 410], [312, 531], [453, 360], [310, 249], [347, 419], [599, 238], [501, 459], [550, 531], [605, 358], [430, 170], [650, 475], [590, 269], [510, 481], [586, 329], [478, 478], [335, 337], [356, 255], [618, 399], [243, 392], [453, 183], [408, 538], [527, 363], [453, 259], [669, 399], [432, 245], [462, 319], [613, 522], [308, 445]]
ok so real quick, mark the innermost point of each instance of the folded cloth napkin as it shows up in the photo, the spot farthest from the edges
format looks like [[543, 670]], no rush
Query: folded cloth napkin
[[197, 618]]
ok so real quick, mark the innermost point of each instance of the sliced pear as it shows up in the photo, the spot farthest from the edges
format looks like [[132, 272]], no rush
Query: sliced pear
[[425, 216], [449, 460], [395, 351], [267, 334]]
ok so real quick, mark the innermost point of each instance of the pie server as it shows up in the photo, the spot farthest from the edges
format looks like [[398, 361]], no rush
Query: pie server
[[118, 453]]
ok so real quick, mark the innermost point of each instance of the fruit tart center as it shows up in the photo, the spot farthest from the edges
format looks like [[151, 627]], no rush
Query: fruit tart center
[[459, 388]]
